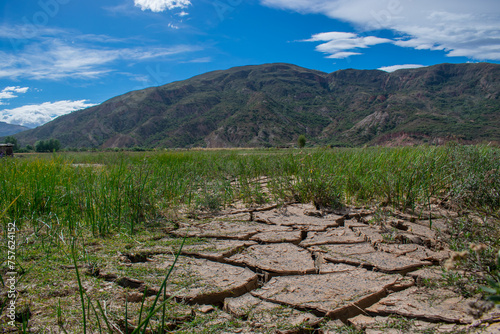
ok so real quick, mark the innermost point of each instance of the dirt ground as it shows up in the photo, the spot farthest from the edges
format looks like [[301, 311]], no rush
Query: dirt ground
[[290, 269]]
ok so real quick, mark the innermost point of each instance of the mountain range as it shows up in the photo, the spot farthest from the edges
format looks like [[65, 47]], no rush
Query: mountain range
[[7, 129], [272, 104]]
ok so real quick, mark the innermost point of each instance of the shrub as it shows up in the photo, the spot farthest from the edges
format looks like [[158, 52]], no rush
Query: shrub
[[301, 141]]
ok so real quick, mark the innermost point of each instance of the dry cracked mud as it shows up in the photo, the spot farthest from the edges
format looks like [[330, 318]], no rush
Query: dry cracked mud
[[296, 269]]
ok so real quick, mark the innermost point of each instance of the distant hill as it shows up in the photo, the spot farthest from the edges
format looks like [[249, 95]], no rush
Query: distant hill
[[272, 104], [7, 129]]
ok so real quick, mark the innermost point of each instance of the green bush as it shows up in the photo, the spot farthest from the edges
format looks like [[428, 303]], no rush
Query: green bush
[[301, 141], [50, 145]]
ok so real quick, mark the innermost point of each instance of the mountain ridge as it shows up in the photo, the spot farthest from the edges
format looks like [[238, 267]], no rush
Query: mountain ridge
[[272, 104], [7, 129]]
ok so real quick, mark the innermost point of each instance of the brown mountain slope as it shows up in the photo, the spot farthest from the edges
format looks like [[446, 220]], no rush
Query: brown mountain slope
[[271, 104]]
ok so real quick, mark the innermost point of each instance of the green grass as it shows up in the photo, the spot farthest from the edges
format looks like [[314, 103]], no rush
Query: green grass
[[125, 199]]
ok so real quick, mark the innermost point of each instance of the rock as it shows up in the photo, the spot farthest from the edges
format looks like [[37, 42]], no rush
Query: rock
[[265, 315], [294, 216], [241, 230], [216, 250], [434, 305], [339, 295], [282, 259], [340, 235], [365, 255]]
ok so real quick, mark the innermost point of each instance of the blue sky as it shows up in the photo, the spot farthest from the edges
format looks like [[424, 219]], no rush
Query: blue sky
[[57, 56]]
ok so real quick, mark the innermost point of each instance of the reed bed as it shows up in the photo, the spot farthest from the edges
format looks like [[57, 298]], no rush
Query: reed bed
[[106, 192]]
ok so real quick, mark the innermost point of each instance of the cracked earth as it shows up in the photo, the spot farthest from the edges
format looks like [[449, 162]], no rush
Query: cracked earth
[[310, 270]]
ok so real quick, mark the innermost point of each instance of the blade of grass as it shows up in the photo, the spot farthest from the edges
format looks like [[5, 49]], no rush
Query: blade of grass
[[95, 313], [163, 286], [80, 287], [105, 317]]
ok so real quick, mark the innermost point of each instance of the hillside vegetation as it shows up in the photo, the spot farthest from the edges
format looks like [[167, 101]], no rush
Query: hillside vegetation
[[272, 104]]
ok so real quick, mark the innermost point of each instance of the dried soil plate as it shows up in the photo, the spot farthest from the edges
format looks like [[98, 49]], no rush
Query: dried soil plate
[[268, 315], [384, 325], [330, 268], [366, 255], [294, 216], [436, 305], [337, 295], [228, 230], [340, 235], [415, 252], [293, 237], [216, 249], [370, 233], [194, 280], [282, 259]]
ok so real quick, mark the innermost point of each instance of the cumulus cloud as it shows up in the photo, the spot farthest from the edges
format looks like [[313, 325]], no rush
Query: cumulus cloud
[[399, 67], [10, 93], [161, 5], [37, 114], [341, 45], [458, 28]]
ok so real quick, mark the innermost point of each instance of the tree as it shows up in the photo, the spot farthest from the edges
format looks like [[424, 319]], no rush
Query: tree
[[301, 141], [12, 140], [50, 145]]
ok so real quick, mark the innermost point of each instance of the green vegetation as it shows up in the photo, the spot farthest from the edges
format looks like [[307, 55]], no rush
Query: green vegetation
[[13, 141], [301, 141], [63, 204], [51, 145], [494, 285]]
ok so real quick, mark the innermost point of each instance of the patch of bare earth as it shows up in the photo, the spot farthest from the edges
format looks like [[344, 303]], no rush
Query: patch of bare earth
[[295, 269]]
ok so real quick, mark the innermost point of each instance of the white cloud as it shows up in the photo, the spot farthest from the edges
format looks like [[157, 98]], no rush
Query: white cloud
[[10, 93], [161, 5], [37, 114], [200, 60], [55, 60], [399, 67], [458, 28], [341, 45]]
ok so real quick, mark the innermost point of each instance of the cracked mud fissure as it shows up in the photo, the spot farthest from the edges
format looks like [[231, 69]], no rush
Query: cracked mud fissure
[[304, 265]]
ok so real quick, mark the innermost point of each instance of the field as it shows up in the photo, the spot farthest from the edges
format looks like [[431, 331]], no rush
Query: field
[[81, 218]]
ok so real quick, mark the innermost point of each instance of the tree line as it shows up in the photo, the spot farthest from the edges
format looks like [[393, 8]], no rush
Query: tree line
[[49, 145]]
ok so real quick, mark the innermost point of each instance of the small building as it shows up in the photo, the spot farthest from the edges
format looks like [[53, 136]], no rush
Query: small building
[[6, 150]]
